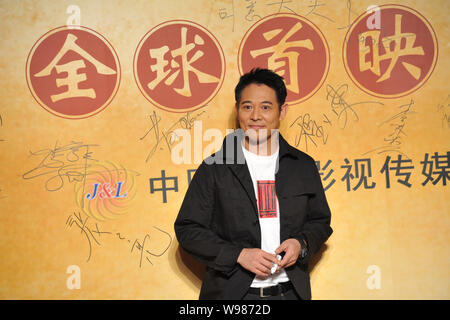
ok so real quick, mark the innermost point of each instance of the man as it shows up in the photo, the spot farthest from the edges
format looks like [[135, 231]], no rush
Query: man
[[255, 211]]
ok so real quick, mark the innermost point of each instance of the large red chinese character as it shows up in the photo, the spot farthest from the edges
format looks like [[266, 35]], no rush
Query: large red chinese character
[[179, 66], [395, 59], [291, 46], [73, 73]]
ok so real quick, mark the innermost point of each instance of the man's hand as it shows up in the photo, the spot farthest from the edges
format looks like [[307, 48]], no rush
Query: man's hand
[[291, 249], [257, 261]]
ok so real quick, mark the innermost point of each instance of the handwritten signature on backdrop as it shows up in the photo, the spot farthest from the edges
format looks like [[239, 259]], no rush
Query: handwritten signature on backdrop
[[143, 249]]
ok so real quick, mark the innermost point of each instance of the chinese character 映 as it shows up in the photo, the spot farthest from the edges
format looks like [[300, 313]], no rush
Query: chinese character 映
[[392, 52]]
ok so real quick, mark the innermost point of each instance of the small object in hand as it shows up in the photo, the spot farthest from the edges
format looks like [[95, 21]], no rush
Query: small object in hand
[[275, 266]]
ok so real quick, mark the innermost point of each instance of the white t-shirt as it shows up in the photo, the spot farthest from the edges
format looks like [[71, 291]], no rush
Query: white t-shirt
[[262, 171]]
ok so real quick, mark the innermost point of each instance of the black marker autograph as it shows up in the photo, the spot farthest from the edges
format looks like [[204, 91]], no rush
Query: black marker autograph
[[185, 122], [93, 236], [341, 107], [61, 161], [393, 141]]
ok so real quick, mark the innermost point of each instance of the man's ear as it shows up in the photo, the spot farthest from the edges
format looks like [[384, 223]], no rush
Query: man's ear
[[283, 111]]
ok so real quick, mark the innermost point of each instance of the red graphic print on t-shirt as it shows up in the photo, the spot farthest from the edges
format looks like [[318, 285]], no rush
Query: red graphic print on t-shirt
[[267, 199]]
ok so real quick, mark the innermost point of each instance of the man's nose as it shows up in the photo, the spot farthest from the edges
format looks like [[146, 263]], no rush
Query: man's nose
[[256, 114]]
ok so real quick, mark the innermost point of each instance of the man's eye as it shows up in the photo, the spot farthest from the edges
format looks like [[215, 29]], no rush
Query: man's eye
[[248, 107], [266, 107]]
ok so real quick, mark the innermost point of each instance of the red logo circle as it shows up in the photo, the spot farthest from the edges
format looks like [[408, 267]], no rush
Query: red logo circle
[[394, 59], [73, 72], [179, 66], [293, 47]]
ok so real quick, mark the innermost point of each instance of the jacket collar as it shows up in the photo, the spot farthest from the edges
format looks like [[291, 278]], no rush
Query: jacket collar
[[232, 155]]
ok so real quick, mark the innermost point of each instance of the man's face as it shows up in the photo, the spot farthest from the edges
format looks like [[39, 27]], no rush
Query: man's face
[[258, 113]]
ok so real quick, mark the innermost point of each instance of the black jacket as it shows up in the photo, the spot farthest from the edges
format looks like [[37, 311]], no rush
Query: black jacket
[[219, 216]]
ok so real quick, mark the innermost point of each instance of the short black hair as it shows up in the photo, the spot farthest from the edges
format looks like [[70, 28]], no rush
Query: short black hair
[[262, 76]]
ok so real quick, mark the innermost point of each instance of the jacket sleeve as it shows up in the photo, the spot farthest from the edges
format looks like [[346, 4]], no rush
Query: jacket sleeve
[[193, 225], [317, 228]]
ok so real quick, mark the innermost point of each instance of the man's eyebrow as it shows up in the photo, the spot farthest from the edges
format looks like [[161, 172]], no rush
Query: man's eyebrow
[[248, 101]]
